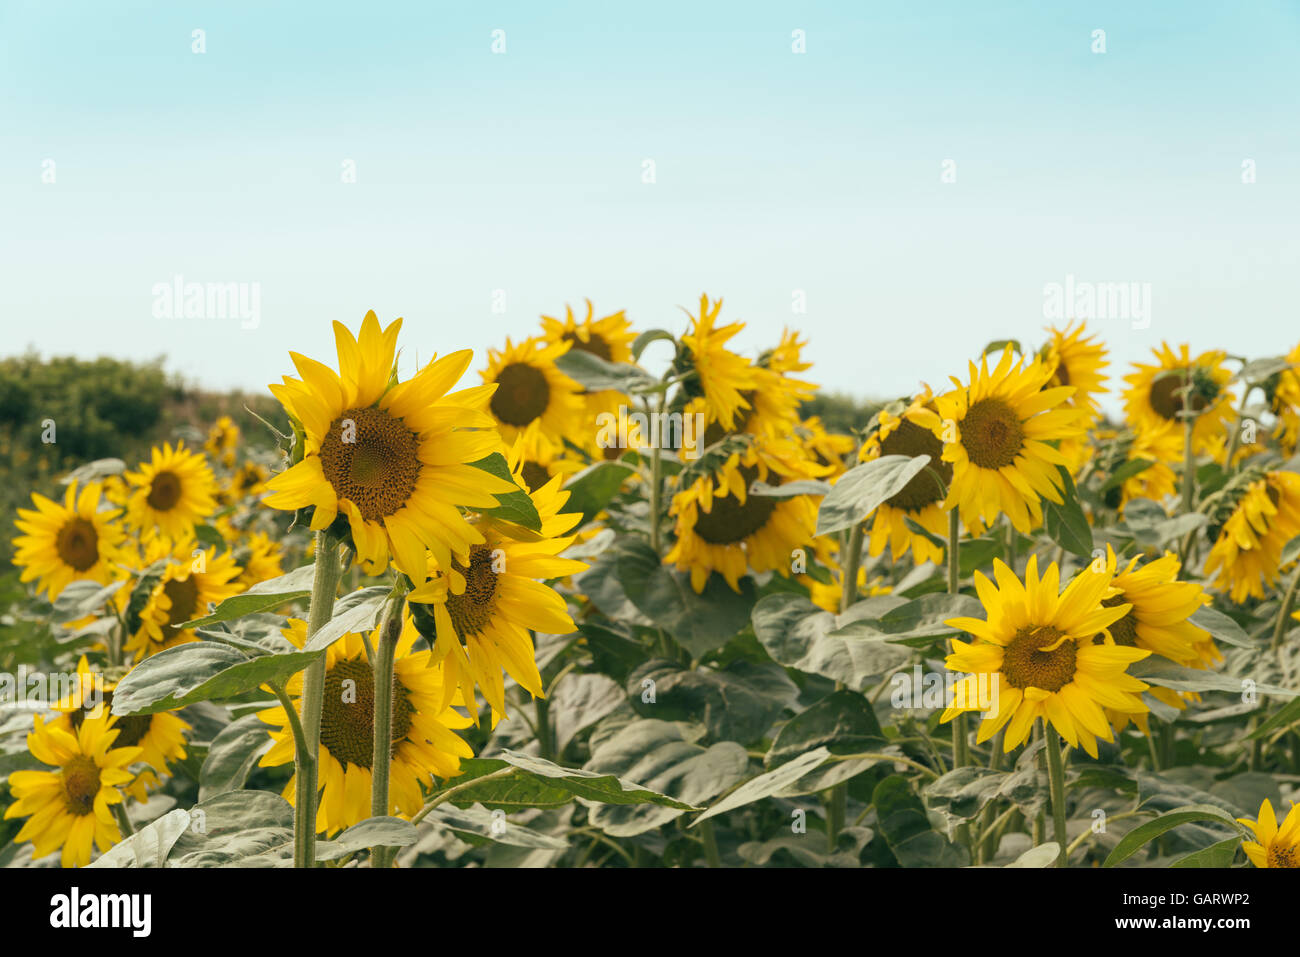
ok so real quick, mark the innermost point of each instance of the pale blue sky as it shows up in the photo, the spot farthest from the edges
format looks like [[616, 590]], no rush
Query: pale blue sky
[[522, 172]]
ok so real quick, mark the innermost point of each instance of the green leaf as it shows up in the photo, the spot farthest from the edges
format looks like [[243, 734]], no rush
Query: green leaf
[[650, 335], [238, 828], [148, 846], [358, 615], [199, 671], [1044, 855], [997, 345], [1133, 841], [1066, 523], [962, 793], [700, 622], [800, 635], [790, 489], [738, 703], [862, 489], [79, 599], [481, 825], [767, 784], [263, 596], [515, 507], [141, 592], [580, 701], [534, 782], [1125, 472], [902, 821], [372, 832], [1221, 627], [658, 753], [232, 756], [1284, 717], [592, 488], [1221, 854], [922, 617], [209, 537], [843, 723], [1259, 371], [599, 375], [1163, 672]]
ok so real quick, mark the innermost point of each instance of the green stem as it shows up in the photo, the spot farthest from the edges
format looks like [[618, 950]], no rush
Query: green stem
[[381, 757], [451, 792], [838, 801], [1234, 441], [656, 454], [710, 841], [123, 819], [1056, 777], [1284, 613], [324, 586]]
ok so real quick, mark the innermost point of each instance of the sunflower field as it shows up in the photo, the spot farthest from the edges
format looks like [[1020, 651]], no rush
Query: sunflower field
[[558, 610]]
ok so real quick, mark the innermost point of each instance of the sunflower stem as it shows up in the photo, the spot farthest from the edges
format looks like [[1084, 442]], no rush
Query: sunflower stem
[[329, 569], [123, 819], [1234, 441], [381, 762], [837, 801], [1056, 777], [710, 841], [656, 454], [1284, 613], [960, 738]]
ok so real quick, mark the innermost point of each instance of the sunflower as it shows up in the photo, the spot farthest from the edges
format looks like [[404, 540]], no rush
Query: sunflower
[[722, 378], [828, 596], [1035, 656], [1249, 546], [824, 447], [910, 432], [259, 556], [609, 338], [248, 481], [721, 527], [193, 579], [391, 457], [482, 612], [1158, 621], [160, 736], [424, 744], [998, 433], [69, 806], [1157, 481], [1156, 397], [223, 439], [69, 542], [171, 493], [1283, 393], [1274, 846], [530, 388], [1078, 361]]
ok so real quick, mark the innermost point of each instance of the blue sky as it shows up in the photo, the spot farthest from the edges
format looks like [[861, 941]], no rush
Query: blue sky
[[522, 172]]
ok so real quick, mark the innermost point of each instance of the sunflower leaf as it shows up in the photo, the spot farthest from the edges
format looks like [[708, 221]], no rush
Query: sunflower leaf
[[767, 784], [600, 375], [1066, 523], [1135, 839], [358, 615], [79, 599], [534, 782], [199, 671], [1222, 627], [232, 755], [515, 507], [592, 488], [905, 826], [862, 489], [1221, 854], [263, 596], [150, 845]]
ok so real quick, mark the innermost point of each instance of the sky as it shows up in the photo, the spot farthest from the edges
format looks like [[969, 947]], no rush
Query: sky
[[902, 191]]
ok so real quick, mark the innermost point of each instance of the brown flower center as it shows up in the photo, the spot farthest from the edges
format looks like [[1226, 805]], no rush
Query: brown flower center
[[80, 785], [371, 459], [596, 345], [912, 440], [1124, 631], [1284, 855], [1027, 665], [131, 728], [730, 522], [164, 492], [184, 595], [347, 723], [472, 611], [992, 433], [78, 543], [522, 394], [1168, 398], [535, 476]]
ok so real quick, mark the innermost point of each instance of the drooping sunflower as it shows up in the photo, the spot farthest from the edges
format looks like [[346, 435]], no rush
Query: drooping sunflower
[[72, 541], [722, 376], [1249, 546], [223, 439], [721, 527], [826, 448], [480, 613], [1036, 659], [392, 457], [192, 579], [1273, 846], [1283, 394], [424, 742], [828, 595], [1158, 393], [68, 807], [259, 556], [160, 736], [1158, 621], [910, 432], [530, 388], [998, 432], [171, 493], [1077, 360], [1158, 481]]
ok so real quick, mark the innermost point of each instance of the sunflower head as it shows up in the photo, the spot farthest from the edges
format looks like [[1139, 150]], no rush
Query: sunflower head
[[1274, 846], [171, 493], [1036, 653], [68, 541], [1247, 551]]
